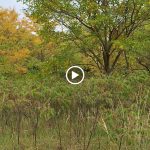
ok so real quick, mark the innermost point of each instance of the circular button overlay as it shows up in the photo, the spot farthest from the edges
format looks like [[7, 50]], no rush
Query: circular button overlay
[[75, 75]]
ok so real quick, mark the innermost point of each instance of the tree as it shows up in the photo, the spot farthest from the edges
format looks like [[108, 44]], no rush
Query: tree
[[17, 42], [94, 26], [140, 43]]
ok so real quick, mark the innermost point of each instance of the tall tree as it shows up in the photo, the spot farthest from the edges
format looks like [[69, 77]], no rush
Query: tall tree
[[94, 25], [17, 42]]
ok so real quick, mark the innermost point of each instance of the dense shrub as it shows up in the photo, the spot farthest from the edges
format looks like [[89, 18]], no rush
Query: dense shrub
[[110, 111]]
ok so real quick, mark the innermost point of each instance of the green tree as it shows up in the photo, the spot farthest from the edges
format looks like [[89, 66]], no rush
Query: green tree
[[94, 26], [141, 43]]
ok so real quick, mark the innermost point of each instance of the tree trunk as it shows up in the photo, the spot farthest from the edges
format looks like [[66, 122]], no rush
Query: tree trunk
[[106, 59]]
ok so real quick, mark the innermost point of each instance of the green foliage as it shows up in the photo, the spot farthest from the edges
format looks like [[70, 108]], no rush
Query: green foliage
[[55, 102], [94, 27], [39, 109]]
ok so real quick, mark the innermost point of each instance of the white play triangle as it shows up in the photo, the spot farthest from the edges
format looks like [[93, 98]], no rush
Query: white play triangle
[[74, 75]]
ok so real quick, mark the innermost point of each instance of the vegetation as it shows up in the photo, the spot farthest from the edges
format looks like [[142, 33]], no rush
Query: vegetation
[[97, 27], [40, 110]]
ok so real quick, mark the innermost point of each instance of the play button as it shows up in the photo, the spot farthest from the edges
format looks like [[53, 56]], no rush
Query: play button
[[75, 75]]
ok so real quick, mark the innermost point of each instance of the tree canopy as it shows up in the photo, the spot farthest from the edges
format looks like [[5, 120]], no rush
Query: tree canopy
[[95, 27]]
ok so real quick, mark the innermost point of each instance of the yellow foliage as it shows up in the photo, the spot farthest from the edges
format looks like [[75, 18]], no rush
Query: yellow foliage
[[37, 41], [22, 70], [19, 55], [2, 53], [17, 40]]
